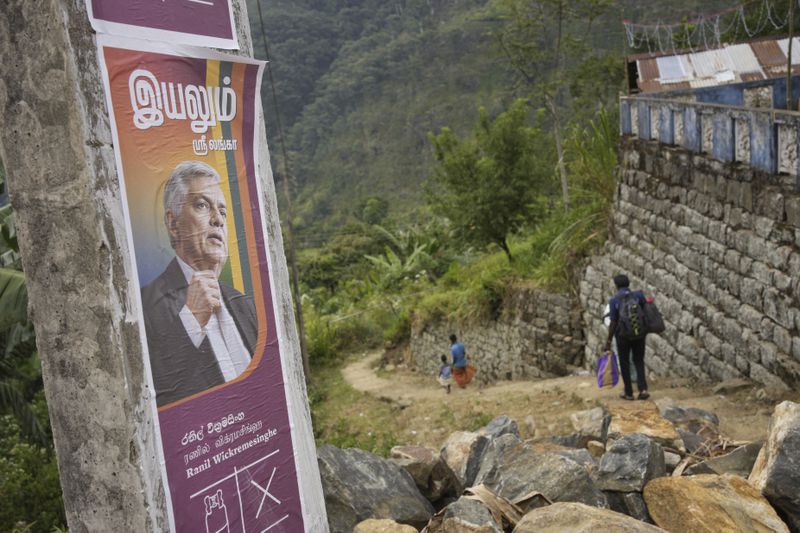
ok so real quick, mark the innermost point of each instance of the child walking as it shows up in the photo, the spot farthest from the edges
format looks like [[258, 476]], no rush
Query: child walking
[[445, 374]]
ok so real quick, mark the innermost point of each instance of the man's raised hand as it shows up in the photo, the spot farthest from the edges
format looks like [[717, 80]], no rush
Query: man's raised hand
[[203, 297]]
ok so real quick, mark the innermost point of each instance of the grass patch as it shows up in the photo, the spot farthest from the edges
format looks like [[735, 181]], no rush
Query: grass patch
[[548, 257], [364, 422]]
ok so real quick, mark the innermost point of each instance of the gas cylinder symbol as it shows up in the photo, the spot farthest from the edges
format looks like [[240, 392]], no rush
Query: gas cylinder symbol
[[216, 514]]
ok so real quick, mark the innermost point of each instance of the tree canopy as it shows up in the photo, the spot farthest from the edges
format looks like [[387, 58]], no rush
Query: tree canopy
[[488, 185]]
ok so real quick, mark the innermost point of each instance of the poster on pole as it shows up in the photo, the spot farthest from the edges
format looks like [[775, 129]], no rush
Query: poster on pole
[[193, 22], [184, 129]]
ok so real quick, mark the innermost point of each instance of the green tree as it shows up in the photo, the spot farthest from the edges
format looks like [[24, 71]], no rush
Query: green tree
[[20, 372], [544, 40], [488, 186], [29, 486]]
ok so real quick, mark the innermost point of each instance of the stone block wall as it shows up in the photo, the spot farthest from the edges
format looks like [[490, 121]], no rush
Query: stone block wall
[[537, 335], [718, 245]]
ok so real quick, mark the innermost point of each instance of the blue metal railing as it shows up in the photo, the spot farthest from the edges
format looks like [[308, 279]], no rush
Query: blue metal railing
[[765, 139]]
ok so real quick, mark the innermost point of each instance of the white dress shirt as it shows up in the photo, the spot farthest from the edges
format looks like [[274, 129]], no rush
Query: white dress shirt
[[226, 342]]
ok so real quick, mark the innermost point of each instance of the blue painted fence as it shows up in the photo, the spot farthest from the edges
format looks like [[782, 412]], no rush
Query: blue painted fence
[[773, 139]]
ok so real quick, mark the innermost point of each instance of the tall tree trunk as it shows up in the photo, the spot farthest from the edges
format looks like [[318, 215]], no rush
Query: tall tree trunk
[[553, 104], [562, 169], [504, 245]]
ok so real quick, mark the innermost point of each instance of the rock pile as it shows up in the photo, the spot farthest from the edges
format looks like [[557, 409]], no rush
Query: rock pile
[[631, 466]]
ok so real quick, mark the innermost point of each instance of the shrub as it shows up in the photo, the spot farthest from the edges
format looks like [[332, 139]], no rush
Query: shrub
[[30, 493]]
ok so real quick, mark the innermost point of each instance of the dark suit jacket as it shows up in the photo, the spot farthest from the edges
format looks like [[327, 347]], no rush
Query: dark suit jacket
[[179, 369]]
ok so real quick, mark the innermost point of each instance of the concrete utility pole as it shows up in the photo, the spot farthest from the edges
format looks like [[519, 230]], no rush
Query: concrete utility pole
[[57, 149], [789, 99]]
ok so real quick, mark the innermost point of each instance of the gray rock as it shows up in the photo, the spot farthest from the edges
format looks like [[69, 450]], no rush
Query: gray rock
[[630, 463], [499, 450], [629, 503], [431, 474], [359, 485], [776, 472], [671, 460], [576, 440], [686, 416], [466, 515], [591, 425], [579, 518], [691, 441], [463, 452], [519, 470], [501, 425], [580, 456], [739, 462]]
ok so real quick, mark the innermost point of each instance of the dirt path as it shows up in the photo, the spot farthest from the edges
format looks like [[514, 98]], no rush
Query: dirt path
[[425, 414]]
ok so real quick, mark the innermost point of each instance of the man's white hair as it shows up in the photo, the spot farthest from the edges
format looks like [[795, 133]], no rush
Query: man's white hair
[[178, 183]]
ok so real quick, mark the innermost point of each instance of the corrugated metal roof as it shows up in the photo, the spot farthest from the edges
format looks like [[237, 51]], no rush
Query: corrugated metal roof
[[670, 68], [753, 76], [743, 58], [704, 82], [753, 61], [710, 62], [784, 44], [648, 69], [650, 86], [768, 53]]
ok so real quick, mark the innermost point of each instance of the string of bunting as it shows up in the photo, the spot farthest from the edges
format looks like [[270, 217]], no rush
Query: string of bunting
[[706, 31]]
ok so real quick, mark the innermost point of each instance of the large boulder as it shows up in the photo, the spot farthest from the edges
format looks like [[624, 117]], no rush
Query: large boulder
[[630, 463], [498, 451], [501, 425], [519, 470], [580, 518], [710, 503], [590, 425], [580, 456], [469, 515], [359, 485], [776, 472], [644, 418], [383, 525], [462, 452], [740, 462], [431, 474]]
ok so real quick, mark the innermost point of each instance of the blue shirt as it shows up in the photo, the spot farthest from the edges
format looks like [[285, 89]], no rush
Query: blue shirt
[[445, 372], [613, 303], [459, 355]]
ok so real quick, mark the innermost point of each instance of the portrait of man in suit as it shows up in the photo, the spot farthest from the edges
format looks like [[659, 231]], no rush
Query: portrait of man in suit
[[200, 331]]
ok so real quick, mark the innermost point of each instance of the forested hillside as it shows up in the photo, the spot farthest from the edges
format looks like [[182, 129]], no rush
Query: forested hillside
[[360, 83]]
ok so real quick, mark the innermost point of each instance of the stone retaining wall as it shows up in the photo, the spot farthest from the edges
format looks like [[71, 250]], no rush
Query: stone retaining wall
[[717, 245], [537, 335]]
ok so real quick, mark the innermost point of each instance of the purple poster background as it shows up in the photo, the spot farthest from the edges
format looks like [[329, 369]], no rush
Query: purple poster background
[[193, 22], [228, 456]]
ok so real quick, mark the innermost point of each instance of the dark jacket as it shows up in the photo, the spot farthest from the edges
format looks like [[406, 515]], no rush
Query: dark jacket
[[179, 369]]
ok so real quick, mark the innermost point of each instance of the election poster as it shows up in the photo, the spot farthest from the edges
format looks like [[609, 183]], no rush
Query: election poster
[[184, 129], [194, 22]]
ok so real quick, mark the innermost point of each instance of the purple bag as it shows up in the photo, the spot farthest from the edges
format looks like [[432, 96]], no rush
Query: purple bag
[[607, 370]]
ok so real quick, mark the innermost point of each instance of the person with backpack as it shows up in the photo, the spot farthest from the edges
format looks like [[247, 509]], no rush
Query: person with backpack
[[628, 327]]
